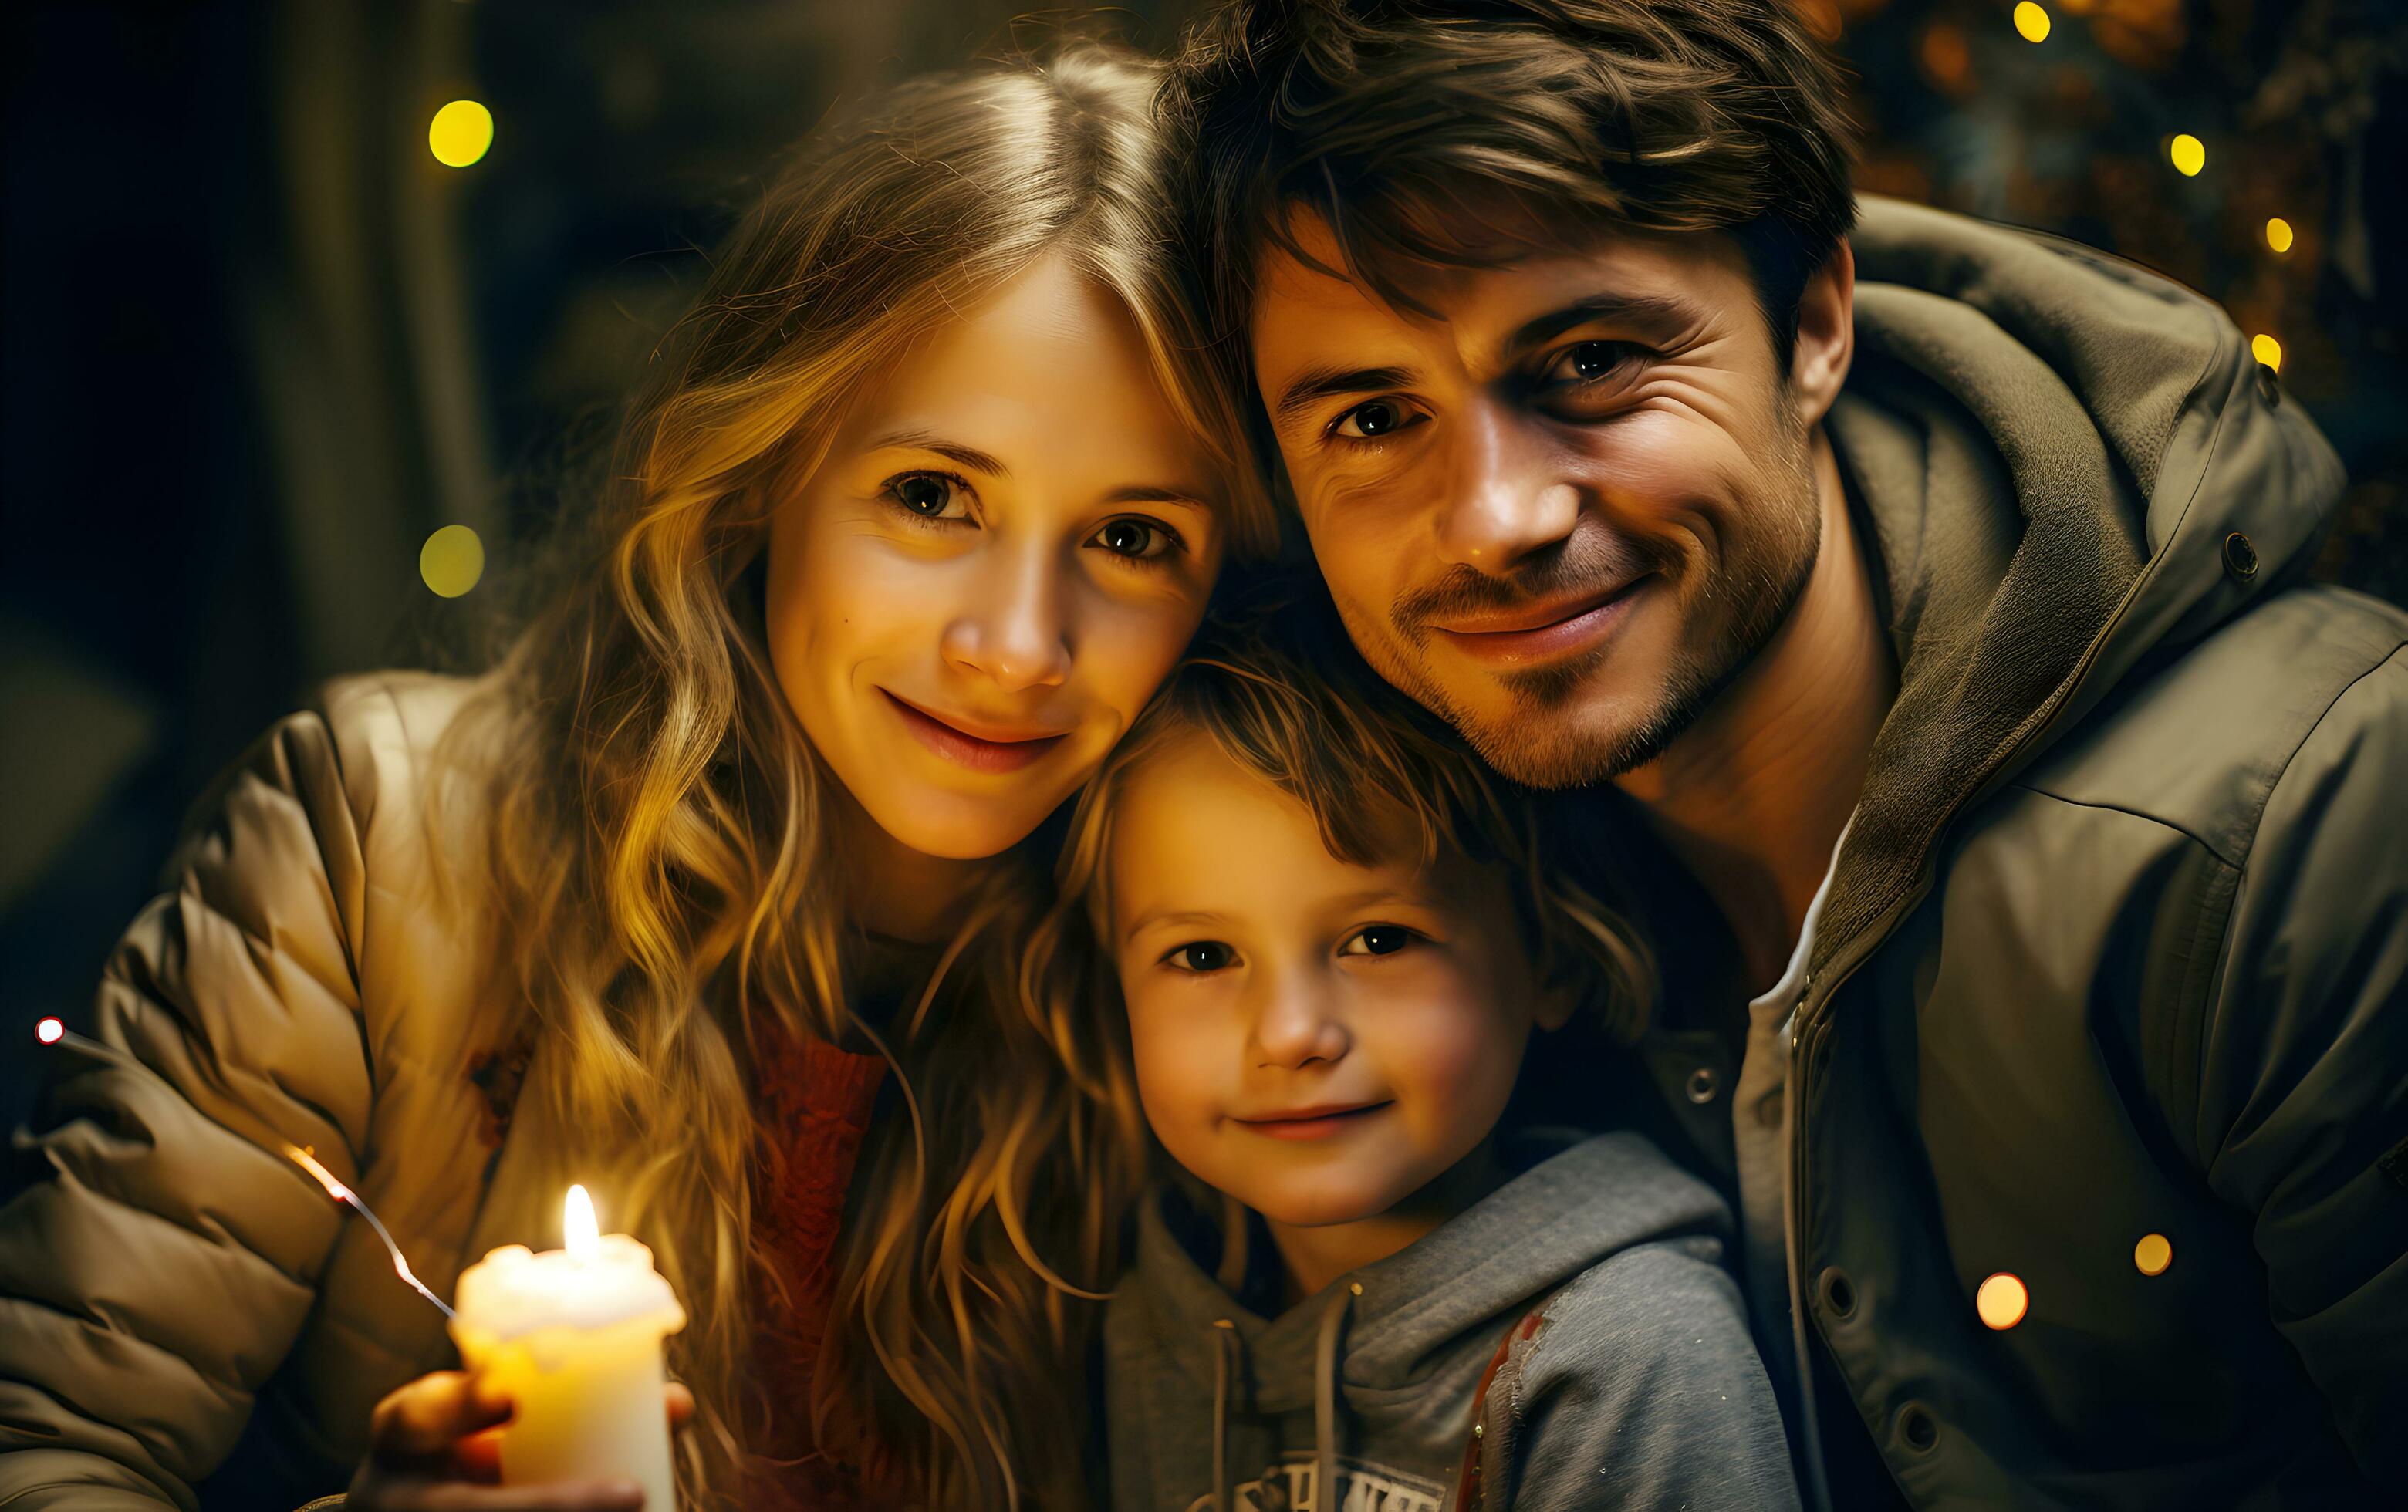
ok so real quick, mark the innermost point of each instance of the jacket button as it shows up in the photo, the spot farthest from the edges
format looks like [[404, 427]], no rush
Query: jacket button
[[1703, 1083], [2240, 557], [1917, 1429], [2268, 389], [1837, 1294]]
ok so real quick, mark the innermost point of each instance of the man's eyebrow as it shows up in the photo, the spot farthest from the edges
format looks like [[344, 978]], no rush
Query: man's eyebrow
[[970, 457], [1315, 384], [1662, 315]]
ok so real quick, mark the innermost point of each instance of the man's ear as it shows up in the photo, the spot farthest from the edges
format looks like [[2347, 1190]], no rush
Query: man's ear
[[1826, 336], [1557, 1003]]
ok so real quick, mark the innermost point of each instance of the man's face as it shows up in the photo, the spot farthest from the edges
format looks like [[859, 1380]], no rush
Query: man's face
[[1563, 512]]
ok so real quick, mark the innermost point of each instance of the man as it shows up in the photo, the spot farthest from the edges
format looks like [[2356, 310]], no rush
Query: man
[[1932, 591]]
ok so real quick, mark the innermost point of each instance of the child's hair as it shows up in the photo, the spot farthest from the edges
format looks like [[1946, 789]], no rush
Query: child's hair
[[1283, 693]]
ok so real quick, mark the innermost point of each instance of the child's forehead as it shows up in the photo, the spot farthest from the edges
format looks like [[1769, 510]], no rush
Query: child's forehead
[[1190, 814]]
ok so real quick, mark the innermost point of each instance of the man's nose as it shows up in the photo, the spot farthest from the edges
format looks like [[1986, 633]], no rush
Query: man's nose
[[1506, 496], [1295, 1025], [1012, 627]]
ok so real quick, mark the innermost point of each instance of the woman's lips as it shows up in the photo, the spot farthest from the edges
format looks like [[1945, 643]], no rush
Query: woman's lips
[[1543, 631], [1313, 1122], [978, 753]]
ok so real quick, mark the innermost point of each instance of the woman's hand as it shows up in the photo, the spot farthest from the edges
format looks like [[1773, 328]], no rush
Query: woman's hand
[[432, 1449]]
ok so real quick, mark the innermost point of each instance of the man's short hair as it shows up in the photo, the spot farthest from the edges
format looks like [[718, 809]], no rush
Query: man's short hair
[[1473, 132]]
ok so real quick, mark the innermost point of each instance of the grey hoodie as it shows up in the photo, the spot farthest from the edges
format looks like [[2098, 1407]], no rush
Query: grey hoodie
[[1639, 1388]]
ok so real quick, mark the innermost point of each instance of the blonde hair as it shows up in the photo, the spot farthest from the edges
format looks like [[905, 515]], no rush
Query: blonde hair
[[658, 849], [1280, 692]]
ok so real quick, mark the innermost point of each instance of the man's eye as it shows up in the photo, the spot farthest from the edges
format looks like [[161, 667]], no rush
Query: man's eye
[[1140, 540], [1586, 361], [1379, 939], [929, 495], [1200, 956], [1374, 420]]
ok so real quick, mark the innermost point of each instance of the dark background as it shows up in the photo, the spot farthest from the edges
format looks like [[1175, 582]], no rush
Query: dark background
[[259, 344]]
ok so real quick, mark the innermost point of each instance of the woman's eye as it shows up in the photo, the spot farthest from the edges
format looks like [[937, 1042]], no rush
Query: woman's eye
[[1374, 420], [1379, 939], [1200, 956], [1587, 362], [1140, 540], [929, 495]]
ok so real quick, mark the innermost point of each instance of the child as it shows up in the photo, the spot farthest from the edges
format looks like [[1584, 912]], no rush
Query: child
[[1334, 946]]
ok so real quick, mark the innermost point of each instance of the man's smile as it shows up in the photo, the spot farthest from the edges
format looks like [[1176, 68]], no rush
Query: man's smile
[[1543, 630]]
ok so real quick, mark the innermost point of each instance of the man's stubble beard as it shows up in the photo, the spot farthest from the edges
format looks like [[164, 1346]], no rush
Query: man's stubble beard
[[1532, 746]]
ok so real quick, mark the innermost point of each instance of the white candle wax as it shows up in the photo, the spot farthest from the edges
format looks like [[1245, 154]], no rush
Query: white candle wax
[[573, 1336]]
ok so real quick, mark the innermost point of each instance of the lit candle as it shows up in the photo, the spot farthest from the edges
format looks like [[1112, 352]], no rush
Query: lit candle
[[573, 1337]]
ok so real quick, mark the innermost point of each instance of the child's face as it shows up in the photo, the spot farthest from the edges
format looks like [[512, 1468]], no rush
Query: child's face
[[1318, 1040]]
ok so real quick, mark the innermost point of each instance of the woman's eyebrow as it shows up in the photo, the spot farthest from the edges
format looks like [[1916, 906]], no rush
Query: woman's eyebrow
[[970, 457]]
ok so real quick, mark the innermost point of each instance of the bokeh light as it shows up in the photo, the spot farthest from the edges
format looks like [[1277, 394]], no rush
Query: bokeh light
[[2153, 1254], [50, 1031], [2189, 154], [2278, 234], [460, 134], [2031, 22], [2268, 351], [2002, 1300], [452, 561]]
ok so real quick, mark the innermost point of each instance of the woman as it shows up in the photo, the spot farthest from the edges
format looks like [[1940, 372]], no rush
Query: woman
[[919, 507]]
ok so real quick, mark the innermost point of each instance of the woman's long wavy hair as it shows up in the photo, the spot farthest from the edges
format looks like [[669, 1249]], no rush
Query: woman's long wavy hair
[[659, 863]]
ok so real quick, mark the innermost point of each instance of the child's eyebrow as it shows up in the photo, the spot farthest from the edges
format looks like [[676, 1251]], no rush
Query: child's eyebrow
[[1154, 917]]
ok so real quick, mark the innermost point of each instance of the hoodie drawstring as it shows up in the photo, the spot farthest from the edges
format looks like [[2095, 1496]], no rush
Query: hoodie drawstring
[[1225, 1344], [1324, 1400]]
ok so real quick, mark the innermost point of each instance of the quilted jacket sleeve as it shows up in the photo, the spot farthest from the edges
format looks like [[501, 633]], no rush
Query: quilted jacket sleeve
[[161, 1262], [2304, 1106]]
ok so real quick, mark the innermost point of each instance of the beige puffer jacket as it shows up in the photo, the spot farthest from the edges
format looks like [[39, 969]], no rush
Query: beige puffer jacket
[[178, 1300]]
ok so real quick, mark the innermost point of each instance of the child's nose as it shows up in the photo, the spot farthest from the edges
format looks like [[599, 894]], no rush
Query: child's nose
[[1295, 1027]]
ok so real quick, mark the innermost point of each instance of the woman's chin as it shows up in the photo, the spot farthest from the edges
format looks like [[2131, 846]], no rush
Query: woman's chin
[[952, 827]]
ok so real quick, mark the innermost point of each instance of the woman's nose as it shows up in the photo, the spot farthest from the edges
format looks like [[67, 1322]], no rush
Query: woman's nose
[[1013, 630], [1295, 1027]]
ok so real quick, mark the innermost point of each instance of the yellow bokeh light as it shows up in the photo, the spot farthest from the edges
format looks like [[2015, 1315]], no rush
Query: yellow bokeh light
[[2268, 351], [2031, 22], [2153, 1254], [2189, 154], [2002, 1300], [452, 561], [460, 134], [2278, 234]]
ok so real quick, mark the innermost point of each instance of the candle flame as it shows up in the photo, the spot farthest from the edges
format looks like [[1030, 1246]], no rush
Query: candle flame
[[577, 1225], [308, 1162]]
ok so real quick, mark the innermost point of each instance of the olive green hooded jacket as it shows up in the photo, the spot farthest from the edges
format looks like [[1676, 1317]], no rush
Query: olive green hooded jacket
[[2117, 944]]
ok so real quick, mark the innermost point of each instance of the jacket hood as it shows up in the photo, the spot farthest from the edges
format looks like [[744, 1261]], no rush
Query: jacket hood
[[1469, 1277], [2052, 448]]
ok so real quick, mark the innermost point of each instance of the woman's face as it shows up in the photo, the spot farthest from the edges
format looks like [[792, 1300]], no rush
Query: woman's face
[[1007, 548]]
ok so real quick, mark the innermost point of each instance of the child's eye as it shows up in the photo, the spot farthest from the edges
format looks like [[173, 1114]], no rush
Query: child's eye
[[1200, 956], [1377, 939], [1136, 539]]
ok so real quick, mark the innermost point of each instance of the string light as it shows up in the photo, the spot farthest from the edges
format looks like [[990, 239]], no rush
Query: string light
[[2266, 350], [452, 561], [2278, 234], [2031, 22], [461, 134], [2189, 155]]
